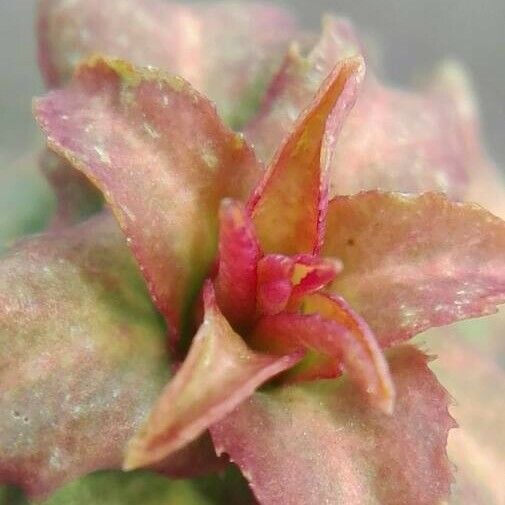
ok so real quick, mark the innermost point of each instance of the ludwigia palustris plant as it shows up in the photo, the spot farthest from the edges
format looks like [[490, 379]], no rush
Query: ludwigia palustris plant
[[239, 303]]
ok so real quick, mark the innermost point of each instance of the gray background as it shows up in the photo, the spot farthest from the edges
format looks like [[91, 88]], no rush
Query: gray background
[[411, 37]]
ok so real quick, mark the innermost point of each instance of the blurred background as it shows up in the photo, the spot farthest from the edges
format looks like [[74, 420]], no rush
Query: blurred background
[[408, 36]]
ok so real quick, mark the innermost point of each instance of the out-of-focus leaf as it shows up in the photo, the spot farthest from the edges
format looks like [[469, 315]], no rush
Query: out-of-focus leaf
[[163, 160], [413, 262], [12, 496], [145, 488], [82, 358], [289, 206], [320, 442], [26, 200], [218, 374], [76, 196], [227, 50], [477, 385], [393, 140]]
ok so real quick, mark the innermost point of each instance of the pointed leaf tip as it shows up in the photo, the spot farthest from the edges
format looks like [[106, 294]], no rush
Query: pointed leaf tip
[[289, 205], [239, 254], [218, 373]]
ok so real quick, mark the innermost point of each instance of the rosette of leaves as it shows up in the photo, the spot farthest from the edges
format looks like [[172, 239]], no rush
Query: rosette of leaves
[[232, 309]]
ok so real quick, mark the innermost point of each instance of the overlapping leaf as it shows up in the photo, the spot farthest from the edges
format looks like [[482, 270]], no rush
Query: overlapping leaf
[[289, 206], [320, 443], [227, 50], [393, 140], [415, 262], [83, 355], [163, 160], [217, 375]]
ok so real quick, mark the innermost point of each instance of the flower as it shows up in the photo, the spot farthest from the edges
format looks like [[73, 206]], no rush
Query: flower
[[266, 278]]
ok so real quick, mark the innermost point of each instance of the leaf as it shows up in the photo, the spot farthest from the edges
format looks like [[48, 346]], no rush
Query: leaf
[[26, 201], [82, 355], [477, 385], [218, 373], [284, 280], [239, 253], [394, 140], [77, 198], [452, 84], [146, 488], [296, 83], [413, 262], [163, 160], [320, 443], [331, 329], [289, 206], [232, 66]]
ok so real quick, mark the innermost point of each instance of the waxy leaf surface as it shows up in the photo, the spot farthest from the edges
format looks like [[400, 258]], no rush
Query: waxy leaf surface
[[321, 443], [82, 355], [163, 160], [227, 50], [289, 206], [413, 262], [218, 373]]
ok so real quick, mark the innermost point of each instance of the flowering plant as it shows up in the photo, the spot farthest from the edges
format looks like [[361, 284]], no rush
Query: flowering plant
[[237, 311]]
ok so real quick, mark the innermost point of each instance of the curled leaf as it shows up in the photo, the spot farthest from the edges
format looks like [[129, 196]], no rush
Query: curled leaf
[[218, 374], [344, 340], [239, 252], [289, 206]]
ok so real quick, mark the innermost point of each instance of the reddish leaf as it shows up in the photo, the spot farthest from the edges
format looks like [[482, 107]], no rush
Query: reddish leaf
[[296, 84], [83, 355], [393, 140], [239, 253], [320, 443], [284, 280], [411, 263], [289, 206], [362, 356], [164, 161], [186, 40], [218, 374], [275, 285], [330, 328]]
